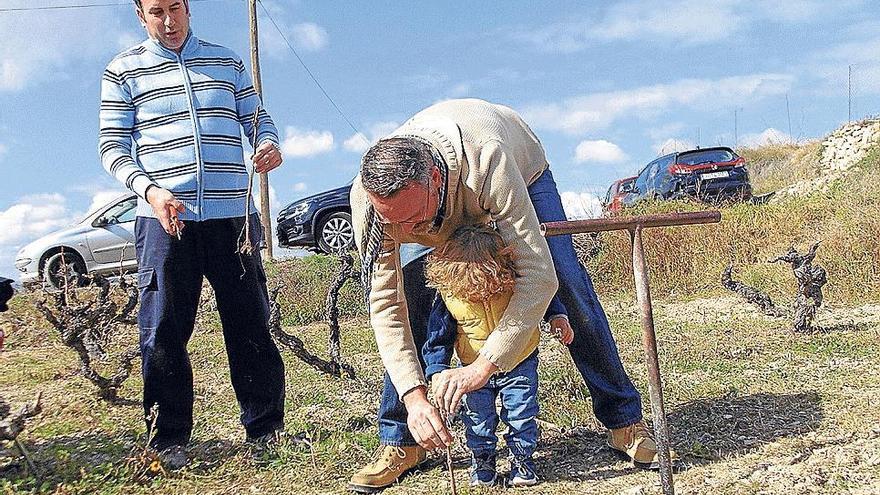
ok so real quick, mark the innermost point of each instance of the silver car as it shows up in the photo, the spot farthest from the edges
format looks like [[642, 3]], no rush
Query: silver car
[[102, 243]]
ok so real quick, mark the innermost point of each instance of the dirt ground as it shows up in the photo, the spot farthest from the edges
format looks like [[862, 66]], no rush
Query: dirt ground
[[753, 409]]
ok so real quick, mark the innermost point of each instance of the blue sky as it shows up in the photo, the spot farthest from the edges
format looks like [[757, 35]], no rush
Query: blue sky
[[605, 85]]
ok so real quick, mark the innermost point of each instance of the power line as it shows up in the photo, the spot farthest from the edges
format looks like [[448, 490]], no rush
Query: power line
[[76, 6], [309, 72]]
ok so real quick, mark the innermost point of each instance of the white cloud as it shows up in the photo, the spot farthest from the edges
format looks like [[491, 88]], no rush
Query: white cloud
[[30, 218], [304, 36], [300, 187], [768, 136], [672, 145], [833, 64], [598, 151], [101, 198], [359, 142], [299, 143], [3, 150], [39, 46], [597, 111], [580, 205], [693, 22], [309, 36]]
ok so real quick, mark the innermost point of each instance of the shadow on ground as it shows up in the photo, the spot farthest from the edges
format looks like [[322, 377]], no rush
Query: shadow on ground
[[72, 458], [702, 431]]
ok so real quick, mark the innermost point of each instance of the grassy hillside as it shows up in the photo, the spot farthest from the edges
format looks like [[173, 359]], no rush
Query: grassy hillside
[[688, 261]]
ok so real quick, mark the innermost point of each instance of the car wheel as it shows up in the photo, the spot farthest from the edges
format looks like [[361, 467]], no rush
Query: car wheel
[[62, 269], [336, 233]]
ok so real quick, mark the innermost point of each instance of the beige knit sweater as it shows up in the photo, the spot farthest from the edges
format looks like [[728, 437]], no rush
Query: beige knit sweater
[[492, 157]]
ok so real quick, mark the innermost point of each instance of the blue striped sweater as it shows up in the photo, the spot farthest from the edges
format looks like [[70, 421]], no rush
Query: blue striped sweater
[[183, 113]]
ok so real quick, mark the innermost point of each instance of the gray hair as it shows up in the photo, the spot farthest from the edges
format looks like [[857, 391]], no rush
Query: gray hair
[[389, 165]]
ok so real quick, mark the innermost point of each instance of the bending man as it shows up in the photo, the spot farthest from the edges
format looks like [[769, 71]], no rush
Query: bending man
[[463, 162]]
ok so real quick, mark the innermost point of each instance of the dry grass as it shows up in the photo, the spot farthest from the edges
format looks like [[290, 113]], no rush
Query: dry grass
[[752, 408], [688, 261], [775, 166]]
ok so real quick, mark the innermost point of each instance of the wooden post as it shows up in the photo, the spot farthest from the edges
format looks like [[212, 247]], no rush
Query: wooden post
[[265, 214]]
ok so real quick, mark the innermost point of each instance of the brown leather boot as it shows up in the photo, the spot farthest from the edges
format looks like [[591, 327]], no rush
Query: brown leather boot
[[389, 463], [636, 444]]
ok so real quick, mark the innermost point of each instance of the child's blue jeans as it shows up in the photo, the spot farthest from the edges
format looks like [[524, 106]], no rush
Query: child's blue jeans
[[518, 390]]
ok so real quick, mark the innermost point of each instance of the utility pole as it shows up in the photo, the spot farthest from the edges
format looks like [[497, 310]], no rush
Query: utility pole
[[849, 91], [265, 215], [735, 130], [788, 112]]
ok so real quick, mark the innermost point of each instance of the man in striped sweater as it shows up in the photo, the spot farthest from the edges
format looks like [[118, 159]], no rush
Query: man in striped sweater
[[181, 102]]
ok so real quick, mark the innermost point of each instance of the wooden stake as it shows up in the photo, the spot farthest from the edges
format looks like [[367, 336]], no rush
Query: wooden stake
[[266, 219]]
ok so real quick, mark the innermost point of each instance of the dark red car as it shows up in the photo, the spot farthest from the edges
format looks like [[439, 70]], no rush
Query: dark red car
[[616, 194]]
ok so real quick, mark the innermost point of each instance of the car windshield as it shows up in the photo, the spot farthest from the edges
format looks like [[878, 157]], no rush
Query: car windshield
[[705, 156]]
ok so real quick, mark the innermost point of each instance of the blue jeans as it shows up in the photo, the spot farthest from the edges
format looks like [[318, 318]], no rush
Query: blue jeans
[[419, 297], [170, 274], [518, 390], [616, 402]]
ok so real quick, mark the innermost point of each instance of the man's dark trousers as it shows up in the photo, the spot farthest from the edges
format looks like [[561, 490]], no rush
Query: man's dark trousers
[[170, 273]]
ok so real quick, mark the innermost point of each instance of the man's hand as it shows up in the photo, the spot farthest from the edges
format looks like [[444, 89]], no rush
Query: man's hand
[[562, 330], [451, 385], [424, 421], [267, 157], [166, 207]]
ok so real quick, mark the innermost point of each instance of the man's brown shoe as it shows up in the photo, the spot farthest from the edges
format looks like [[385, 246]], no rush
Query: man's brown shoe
[[636, 444], [389, 463]]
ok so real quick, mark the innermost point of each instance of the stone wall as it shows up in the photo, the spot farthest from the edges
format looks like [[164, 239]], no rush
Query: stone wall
[[840, 151], [849, 144]]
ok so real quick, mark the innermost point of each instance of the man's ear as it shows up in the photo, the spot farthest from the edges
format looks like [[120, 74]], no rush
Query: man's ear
[[140, 14], [436, 176]]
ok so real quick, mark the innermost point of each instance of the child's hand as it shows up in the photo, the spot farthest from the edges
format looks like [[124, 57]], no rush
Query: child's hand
[[562, 330]]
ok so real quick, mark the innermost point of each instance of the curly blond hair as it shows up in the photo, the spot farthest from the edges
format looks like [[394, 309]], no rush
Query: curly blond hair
[[474, 264]]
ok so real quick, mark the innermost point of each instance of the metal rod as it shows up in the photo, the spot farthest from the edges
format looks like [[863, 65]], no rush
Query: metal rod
[[635, 225], [629, 223], [649, 342]]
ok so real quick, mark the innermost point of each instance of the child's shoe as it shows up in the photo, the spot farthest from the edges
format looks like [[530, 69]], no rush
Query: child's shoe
[[483, 469], [522, 472]]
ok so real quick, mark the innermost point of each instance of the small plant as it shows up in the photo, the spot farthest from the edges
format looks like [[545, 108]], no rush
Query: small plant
[[145, 463], [13, 423]]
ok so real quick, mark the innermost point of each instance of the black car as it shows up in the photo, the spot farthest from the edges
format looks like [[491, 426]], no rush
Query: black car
[[707, 174], [321, 222]]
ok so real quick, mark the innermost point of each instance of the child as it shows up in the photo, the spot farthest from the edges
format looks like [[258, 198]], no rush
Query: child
[[475, 273]]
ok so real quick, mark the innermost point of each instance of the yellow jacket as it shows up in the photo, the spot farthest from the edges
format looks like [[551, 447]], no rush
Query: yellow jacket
[[476, 320]]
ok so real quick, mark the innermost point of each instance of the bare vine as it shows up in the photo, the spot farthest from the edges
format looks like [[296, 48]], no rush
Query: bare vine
[[333, 367], [87, 326], [809, 297]]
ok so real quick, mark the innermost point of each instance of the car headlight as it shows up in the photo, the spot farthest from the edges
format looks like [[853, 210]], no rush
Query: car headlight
[[22, 263], [298, 210]]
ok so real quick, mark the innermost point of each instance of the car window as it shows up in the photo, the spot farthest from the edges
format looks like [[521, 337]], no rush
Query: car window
[[705, 156], [609, 194], [662, 173], [643, 178], [122, 212]]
